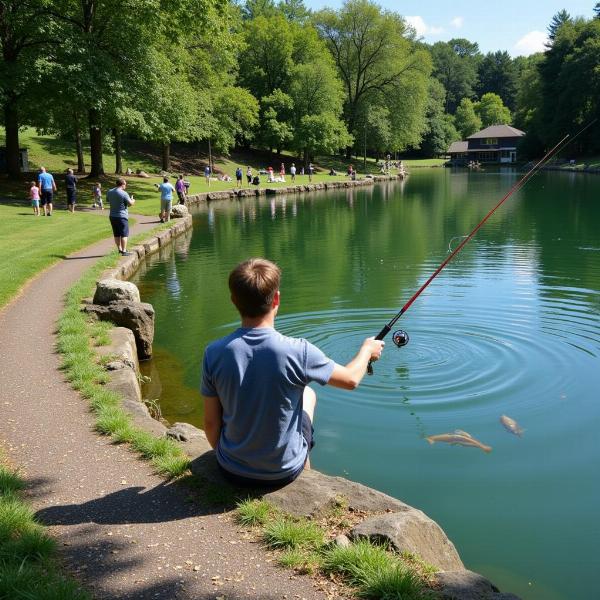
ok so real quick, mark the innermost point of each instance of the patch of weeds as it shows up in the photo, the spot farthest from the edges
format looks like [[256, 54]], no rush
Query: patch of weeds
[[153, 408], [111, 419], [283, 532], [100, 332], [357, 561], [27, 566], [106, 359], [302, 561], [253, 512], [418, 565]]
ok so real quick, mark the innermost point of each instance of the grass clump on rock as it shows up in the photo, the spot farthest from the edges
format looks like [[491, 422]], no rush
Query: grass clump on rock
[[27, 566], [371, 570], [78, 334]]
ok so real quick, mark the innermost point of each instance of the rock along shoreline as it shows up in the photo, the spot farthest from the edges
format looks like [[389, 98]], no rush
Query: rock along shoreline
[[404, 528]]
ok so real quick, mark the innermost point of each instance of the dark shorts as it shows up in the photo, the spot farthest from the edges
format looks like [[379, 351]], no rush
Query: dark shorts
[[71, 196], [181, 197], [120, 226], [47, 196], [249, 178], [308, 432]]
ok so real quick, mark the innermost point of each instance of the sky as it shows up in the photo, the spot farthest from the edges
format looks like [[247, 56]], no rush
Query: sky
[[518, 26]]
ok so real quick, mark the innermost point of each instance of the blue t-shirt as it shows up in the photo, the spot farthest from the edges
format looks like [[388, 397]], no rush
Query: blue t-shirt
[[166, 191], [119, 200], [46, 182], [259, 377]]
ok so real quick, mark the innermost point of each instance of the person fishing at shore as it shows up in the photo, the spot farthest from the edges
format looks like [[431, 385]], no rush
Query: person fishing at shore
[[258, 408]]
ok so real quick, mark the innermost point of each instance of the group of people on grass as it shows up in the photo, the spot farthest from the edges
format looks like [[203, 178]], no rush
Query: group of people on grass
[[41, 193]]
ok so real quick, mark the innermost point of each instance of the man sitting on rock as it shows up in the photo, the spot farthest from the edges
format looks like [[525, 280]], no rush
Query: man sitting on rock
[[258, 408]]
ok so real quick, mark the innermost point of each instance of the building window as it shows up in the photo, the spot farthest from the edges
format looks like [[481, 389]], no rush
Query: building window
[[490, 142]]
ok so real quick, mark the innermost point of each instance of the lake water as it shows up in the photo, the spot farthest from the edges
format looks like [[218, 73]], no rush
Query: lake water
[[512, 327]]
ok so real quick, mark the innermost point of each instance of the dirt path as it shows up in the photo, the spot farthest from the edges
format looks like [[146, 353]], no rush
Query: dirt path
[[125, 532]]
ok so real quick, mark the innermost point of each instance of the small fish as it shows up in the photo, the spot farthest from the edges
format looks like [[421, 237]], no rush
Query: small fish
[[462, 438], [511, 425]]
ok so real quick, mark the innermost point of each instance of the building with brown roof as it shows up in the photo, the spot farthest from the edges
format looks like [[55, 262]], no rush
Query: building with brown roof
[[497, 143]]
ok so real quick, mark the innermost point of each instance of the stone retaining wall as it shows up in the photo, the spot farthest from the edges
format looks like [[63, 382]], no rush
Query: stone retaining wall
[[291, 189], [387, 519]]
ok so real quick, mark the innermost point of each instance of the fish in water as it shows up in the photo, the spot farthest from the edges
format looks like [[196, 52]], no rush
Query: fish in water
[[462, 438], [511, 425]]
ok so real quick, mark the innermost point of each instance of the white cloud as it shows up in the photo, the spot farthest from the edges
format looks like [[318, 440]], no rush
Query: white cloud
[[534, 41], [421, 27], [457, 22]]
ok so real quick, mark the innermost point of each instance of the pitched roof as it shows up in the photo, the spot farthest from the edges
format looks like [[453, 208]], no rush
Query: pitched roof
[[497, 131], [458, 147]]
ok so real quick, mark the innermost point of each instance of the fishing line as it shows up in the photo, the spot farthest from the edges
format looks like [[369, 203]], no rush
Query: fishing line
[[400, 338]]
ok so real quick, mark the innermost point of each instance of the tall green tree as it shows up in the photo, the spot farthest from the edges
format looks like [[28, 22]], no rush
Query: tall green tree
[[455, 66], [558, 20], [258, 8], [294, 10], [318, 97], [377, 60], [492, 111], [597, 10], [498, 74], [466, 120], [26, 32], [441, 131]]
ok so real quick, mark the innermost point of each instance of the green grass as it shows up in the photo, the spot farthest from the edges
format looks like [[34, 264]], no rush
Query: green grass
[[77, 335], [302, 544], [253, 512], [28, 568], [581, 163], [29, 244]]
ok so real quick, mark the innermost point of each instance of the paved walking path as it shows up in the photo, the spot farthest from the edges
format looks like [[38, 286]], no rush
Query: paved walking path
[[124, 531]]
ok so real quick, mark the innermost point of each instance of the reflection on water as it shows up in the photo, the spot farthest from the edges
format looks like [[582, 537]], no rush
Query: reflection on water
[[510, 327]]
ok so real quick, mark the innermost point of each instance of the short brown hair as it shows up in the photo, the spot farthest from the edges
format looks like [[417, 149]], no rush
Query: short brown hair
[[253, 284], [121, 181]]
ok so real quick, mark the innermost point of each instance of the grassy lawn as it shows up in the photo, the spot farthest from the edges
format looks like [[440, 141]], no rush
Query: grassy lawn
[[581, 163], [29, 244], [28, 568]]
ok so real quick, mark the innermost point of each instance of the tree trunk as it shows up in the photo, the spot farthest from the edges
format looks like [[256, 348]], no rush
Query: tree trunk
[[166, 156], [11, 124], [95, 122], [118, 153], [305, 159], [79, 150]]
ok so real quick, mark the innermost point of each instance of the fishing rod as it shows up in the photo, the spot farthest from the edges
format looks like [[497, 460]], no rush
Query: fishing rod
[[400, 337]]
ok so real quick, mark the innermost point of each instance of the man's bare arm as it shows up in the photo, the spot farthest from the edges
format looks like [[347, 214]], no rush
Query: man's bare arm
[[213, 419], [348, 377]]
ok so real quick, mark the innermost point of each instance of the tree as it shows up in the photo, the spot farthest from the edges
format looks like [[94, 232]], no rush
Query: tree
[[294, 10], [258, 8], [466, 120], [24, 31], [558, 20], [498, 74], [276, 127], [441, 131], [597, 10], [318, 96], [492, 111], [455, 65], [377, 59]]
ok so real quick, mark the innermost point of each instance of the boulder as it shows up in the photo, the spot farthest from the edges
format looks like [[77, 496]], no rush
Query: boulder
[[342, 541], [184, 432], [412, 531], [466, 585], [113, 290], [313, 493], [179, 211], [137, 316], [122, 349], [125, 382]]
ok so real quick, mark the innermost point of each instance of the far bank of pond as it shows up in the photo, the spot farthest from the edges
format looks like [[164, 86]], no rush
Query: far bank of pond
[[512, 327]]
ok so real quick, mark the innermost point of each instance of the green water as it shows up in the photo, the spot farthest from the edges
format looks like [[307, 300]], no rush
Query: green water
[[511, 327]]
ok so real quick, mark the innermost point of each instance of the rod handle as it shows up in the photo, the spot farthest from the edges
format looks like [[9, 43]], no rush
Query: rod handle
[[379, 336]]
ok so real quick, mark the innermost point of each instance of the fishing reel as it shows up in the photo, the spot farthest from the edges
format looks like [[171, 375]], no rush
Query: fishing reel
[[400, 338]]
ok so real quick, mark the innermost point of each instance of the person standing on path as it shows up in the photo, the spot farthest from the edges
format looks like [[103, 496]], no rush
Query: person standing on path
[[166, 199], [311, 170], [34, 196], [238, 176], [180, 188], [119, 201], [293, 172], [71, 183], [207, 174], [249, 175], [258, 408], [47, 187]]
